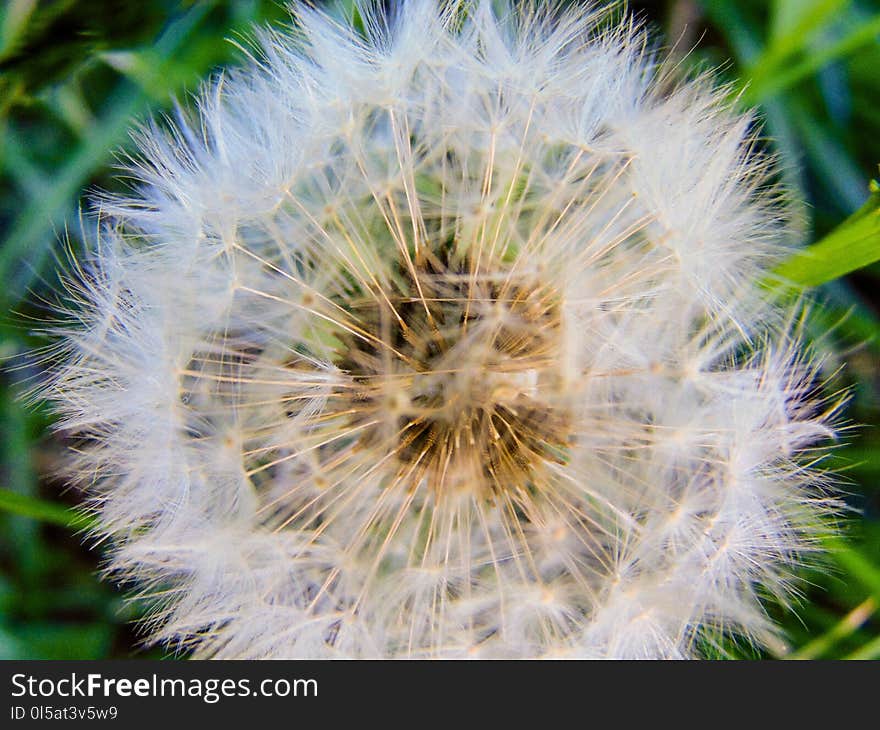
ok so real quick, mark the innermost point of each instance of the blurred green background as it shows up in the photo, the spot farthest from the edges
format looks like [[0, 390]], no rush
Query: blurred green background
[[75, 75]]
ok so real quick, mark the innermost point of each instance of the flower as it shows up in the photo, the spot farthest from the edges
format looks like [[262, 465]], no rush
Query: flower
[[447, 337]]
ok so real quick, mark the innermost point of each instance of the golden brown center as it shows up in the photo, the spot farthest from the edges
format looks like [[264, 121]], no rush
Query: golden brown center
[[460, 376]]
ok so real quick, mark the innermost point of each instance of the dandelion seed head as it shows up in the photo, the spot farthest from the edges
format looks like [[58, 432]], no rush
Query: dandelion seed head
[[447, 338]]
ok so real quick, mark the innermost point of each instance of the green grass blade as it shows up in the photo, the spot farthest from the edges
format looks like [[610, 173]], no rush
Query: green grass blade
[[847, 626], [857, 565], [805, 22], [42, 510], [788, 16], [871, 650], [13, 22], [849, 247], [768, 82]]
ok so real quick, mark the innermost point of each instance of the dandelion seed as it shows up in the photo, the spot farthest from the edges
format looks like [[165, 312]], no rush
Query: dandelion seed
[[446, 339]]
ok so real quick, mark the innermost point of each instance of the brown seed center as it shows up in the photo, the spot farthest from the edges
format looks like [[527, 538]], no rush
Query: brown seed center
[[461, 378]]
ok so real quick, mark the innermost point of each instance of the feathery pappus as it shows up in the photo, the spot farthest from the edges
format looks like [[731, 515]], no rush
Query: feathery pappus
[[442, 334]]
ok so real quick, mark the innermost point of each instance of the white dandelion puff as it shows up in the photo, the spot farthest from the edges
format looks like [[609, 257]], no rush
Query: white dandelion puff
[[446, 337]]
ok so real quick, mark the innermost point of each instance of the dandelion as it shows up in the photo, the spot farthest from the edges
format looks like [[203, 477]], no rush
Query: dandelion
[[443, 334]]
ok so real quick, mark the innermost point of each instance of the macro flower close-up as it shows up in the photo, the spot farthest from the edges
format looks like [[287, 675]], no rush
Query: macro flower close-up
[[449, 330]]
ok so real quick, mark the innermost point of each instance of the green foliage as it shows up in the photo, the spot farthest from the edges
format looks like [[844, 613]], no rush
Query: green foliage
[[76, 75], [42, 510], [851, 246]]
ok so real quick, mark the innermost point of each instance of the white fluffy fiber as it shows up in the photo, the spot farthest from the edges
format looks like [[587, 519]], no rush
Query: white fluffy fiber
[[685, 494]]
